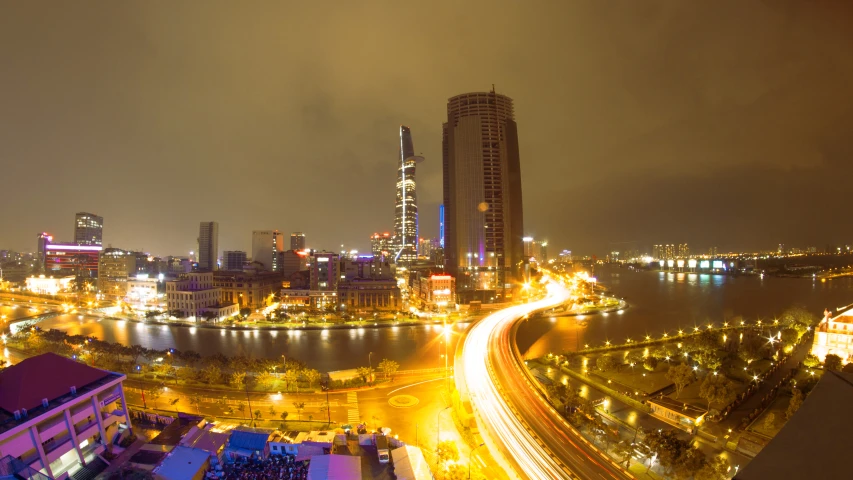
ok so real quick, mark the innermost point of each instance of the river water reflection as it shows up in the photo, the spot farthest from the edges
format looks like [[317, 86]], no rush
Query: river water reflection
[[660, 302], [325, 350], [664, 302]]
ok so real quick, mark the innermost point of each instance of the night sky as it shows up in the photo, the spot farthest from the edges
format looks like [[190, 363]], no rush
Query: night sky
[[727, 123]]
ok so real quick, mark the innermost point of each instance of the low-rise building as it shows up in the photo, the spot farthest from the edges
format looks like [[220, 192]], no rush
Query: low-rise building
[[364, 294], [677, 414], [248, 289], [436, 291], [247, 442], [63, 420], [194, 295], [49, 285], [834, 335], [295, 297], [183, 463], [142, 290]]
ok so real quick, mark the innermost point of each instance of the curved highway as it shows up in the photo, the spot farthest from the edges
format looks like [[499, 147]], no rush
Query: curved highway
[[517, 420]]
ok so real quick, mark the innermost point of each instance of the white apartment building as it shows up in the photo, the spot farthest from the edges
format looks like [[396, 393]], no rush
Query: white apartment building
[[57, 414]]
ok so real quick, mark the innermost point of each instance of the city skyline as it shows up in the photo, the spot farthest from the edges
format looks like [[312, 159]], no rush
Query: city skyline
[[671, 136]]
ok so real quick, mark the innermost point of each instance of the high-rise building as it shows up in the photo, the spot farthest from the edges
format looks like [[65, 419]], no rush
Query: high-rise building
[[42, 241], [380, 244], [88, 229], [484, 221], [233, 260], [297, 241], [72, 259], [115, 267], [208, 245], [266, 247], [406, 208]]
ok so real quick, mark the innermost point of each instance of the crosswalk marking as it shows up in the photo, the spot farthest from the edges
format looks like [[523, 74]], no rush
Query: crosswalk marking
[[353, 415]]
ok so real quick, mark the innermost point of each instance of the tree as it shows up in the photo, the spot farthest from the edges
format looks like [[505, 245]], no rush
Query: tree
[[716, 469], [769, 421], [688, 463], [794, 405], [635, 358], [811, 361], [283, 416], [196, 400], [257, 414], [313, 376], [624, 449], [798, 315], [212, 374], [291, 377], [650, 363], [272, 410], [174, 403], [751, 348], [237, 379], [709, 359], [707, 341], [717, 389], [364, 373], [447, 451], [832, 362], [605, 363], [266, 379], [388, 367], [154, 394], [299, 406], [681, 375], [790, 336]]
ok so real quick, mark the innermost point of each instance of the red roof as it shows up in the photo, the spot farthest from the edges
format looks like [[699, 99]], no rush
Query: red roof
[[47, 376]]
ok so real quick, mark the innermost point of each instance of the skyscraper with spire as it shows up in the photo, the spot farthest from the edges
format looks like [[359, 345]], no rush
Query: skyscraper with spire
[[406, 209]]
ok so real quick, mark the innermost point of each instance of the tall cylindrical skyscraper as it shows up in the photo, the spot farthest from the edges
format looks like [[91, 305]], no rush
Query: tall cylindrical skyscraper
[[406, 207], [484, 223]]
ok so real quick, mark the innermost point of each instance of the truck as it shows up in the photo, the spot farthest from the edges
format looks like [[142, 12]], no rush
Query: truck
[[382, 449]]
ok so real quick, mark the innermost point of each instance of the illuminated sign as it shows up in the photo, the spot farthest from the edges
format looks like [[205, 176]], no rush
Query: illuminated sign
[[662, 263], [322, 259], [705, 264], [718, 264], [680, 263], [670, 263], [440, 277], [691, 263], [527, 239], [87, 248]]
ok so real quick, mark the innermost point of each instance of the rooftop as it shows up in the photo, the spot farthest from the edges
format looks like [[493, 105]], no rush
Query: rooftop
[[684, 409], [814, 443], [182, 463], [249, 438], [56, 375]]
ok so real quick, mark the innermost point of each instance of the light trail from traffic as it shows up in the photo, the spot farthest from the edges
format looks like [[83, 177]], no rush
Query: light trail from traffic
[[517, 420]]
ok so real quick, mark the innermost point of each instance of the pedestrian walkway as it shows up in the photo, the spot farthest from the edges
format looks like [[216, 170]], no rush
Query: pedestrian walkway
[[117, 463], [353, 415]]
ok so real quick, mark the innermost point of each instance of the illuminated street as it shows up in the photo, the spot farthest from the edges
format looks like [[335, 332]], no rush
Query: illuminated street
[[515, 418]]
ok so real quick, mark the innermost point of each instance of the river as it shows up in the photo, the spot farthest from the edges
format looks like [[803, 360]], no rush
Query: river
[[665, 302], [660, 302]]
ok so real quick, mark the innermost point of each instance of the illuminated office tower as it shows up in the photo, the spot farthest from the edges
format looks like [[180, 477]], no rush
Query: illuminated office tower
[[406, 207], [88, 229], [483, 225]]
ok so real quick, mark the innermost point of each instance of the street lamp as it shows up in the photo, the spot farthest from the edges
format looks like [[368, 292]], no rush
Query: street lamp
[[471, 459]]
